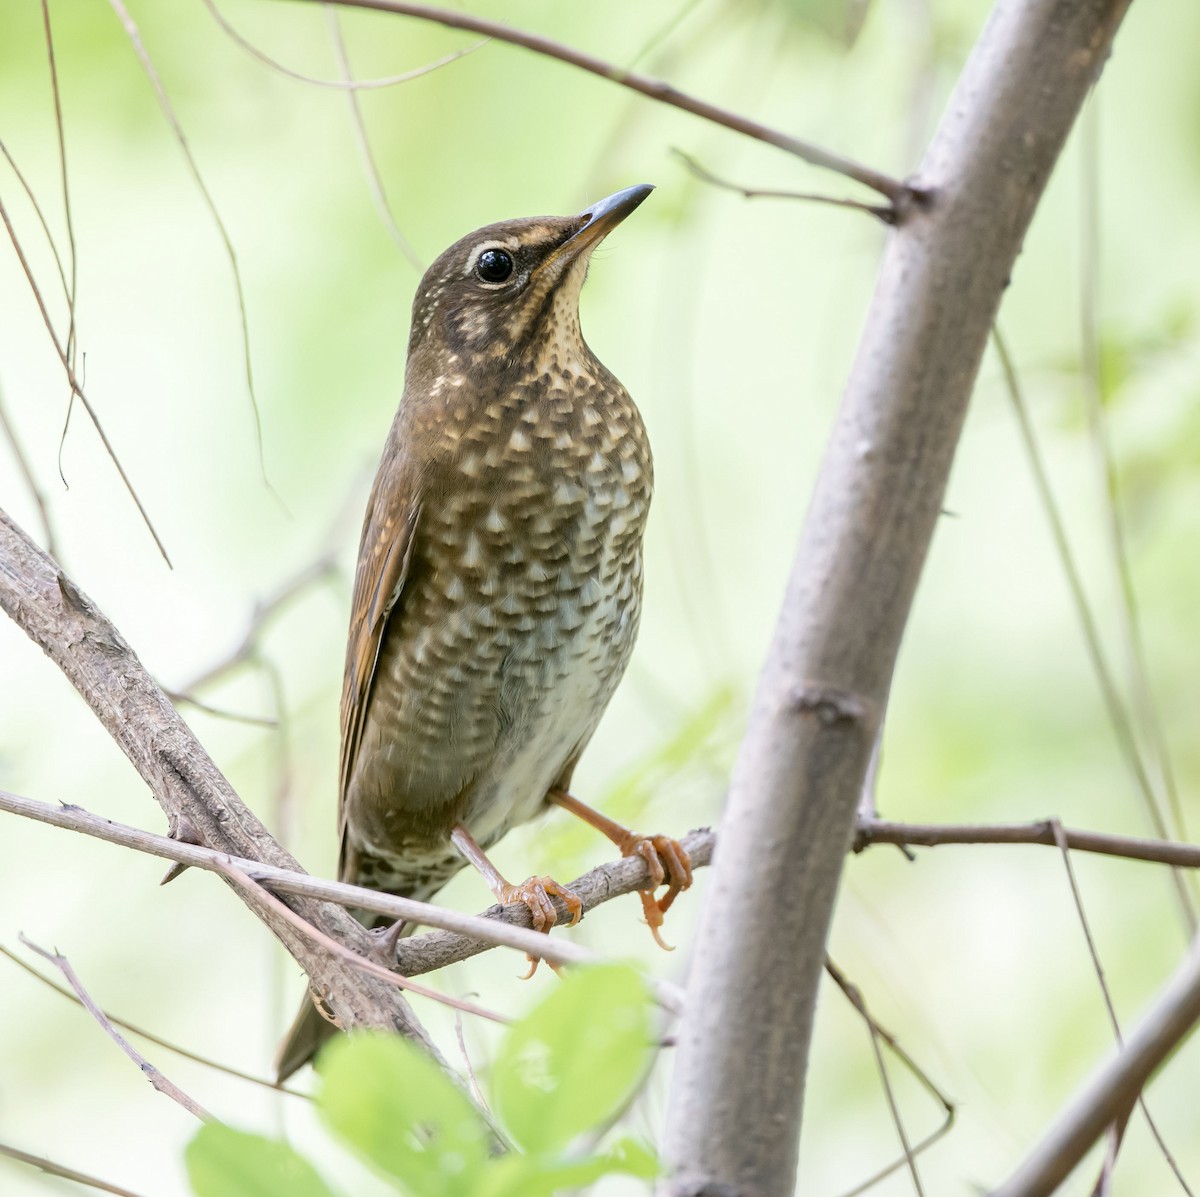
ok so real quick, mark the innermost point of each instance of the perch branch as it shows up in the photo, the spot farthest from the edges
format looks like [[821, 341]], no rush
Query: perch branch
[[197, 799], [462, 935]]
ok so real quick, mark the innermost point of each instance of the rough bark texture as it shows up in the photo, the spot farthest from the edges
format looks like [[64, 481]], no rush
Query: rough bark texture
[[737, 1091], [199, 803]]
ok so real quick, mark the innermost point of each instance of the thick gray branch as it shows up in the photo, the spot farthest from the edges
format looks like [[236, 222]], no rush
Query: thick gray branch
[[737, 1091], [191, 790], [1111, 1094]]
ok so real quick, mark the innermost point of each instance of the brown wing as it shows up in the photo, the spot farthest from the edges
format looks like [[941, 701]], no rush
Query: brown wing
[[384, 557]]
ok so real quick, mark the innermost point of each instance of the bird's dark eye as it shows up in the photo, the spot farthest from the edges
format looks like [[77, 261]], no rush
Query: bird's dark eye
[[494, 265]]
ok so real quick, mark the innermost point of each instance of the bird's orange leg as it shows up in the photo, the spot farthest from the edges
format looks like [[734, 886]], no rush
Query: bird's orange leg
[[656, 850], [534, 892]]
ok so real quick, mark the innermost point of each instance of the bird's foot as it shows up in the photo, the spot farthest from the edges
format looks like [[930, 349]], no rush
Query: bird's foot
[[535, 894], [669, 864]]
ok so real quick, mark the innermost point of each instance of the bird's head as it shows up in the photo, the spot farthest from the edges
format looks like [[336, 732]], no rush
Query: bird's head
[[508, 293]]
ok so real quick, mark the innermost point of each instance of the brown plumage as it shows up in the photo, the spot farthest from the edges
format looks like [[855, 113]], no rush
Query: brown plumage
[[499, 578]]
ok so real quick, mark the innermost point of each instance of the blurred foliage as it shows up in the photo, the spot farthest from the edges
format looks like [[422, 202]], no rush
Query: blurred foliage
[[563, 1071]]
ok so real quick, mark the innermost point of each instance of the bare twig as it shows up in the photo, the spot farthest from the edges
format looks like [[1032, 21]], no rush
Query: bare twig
[[53, 1169], [930, 835], [332, 946], [735, 1109], [67, 359], [150, 1036], [1117, 1130], [72, 289], [896, 191], [1114, 706], [325, 566], [166, 1087], [909, 1157], [160, 94], [31, 482], [37, 209], [463, 935], [374, 179], [334, 84], [1111, 1093], [187, 785], [884, 212], [1143, 702]]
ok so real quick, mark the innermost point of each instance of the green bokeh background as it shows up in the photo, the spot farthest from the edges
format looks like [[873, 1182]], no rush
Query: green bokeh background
[[733, 323]]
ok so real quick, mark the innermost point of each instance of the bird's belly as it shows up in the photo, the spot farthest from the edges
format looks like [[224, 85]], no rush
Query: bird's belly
[[476, 713]]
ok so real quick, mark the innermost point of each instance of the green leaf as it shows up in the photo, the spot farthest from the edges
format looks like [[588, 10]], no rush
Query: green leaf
[[395, 1106], [569, 1066], [535, 1176], [222, 1162]]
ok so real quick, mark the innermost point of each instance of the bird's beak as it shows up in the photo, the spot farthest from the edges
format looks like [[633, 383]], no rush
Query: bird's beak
[[601, 218]]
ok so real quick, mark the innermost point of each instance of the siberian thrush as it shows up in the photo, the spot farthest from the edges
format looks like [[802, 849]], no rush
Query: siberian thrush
[[499, 578]]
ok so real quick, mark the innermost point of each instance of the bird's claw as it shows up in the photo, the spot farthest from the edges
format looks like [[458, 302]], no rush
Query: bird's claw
[[535, 894], [669, 864]]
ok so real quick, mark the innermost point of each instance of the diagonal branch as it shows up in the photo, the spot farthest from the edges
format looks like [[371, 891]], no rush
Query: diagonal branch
[[160, 1082], [196, 798], [656, 89], [1110, 1095]]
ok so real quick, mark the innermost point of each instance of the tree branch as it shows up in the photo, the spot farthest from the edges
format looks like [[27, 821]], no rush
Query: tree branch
[[462, 935], [737, 1089], [160, 1082], [1111, 1094], [192, 792], [931, 835], [898, 193]]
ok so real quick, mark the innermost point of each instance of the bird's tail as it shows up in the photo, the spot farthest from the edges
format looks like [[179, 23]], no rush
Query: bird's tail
[[311, 1029]]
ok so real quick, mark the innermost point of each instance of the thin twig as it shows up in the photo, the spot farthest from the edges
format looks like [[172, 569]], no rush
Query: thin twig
[[37, 208], [1143, 701], [164, 103], [53, 1169], [472, 1079], [1041, 831], [150, 1036], [374, 179], [881, 1033], [152, 1074], [72, 290], [1114, 706], [655, 89], [31, 482], [1117, 1130], [1113, 1090], [325, 566], [334, 84], [463, 935], [884, 212], [332, 946], [177, 697], [77, 386]]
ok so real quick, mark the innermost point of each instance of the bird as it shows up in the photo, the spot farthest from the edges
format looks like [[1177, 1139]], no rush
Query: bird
[[498, 587]]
